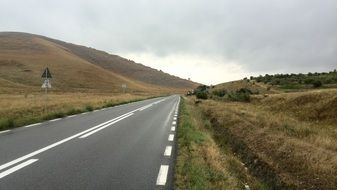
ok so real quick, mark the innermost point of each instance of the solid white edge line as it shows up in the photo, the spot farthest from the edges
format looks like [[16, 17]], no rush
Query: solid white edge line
[[173, 128], [32, 125], [55, 144], [5, 131], [3, 166], [162, 175], [171, 137], [15, 168], [168, 151], [55, 119], [105, 126]]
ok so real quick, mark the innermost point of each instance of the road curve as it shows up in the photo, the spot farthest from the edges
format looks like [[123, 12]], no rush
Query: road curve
[[130, 146]]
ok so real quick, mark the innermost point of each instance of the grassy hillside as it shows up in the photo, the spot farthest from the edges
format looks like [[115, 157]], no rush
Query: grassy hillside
[[24, 57], [286, 139], [125, 67], [75, 68]]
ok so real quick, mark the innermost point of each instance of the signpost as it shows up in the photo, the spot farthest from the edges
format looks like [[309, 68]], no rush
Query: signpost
[[46, 75], [124, 87]]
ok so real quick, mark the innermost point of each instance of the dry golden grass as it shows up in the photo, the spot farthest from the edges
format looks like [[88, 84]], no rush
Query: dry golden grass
[[255, 87], [201, 163], [294, 134], [23, 58], [25, 109]]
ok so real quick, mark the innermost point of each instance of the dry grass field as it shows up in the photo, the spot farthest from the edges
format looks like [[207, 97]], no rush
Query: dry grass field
[[18, 110], [289, 139], [201, 162]]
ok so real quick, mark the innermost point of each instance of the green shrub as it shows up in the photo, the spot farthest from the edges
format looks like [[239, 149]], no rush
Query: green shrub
[[89, 108], [202, 95], [73, 111], [242, 95], [6, 123], [239, 97], [316, 83], [220, 93]]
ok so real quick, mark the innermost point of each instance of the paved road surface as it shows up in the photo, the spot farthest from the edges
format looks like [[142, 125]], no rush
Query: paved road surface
[[130, 146]]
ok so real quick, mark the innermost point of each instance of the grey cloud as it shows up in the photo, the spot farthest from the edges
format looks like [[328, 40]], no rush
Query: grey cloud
[[261, 35]]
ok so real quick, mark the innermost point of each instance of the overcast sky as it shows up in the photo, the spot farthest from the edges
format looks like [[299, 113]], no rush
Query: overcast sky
[[209, 41]]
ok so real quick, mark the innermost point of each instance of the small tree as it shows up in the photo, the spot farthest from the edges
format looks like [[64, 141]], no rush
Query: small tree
[[317, 83], [202, 95]]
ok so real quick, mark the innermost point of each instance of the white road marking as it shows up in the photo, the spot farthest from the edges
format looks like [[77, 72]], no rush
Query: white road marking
[[105, 126], [15, 168], [8, 164], [55, 119], [173, 128], [174, 118], [162, 175], [5, 131], [70, 116], [95, 110], [84, 113], [174, 123], [57, 143], [32, 125], [144, 107], [171, 137], [168, 151]]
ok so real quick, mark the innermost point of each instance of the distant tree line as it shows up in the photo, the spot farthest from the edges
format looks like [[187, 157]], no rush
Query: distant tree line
[[314, 79]]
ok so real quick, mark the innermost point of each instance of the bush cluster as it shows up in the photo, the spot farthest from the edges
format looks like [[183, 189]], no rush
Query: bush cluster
[[296, 80]]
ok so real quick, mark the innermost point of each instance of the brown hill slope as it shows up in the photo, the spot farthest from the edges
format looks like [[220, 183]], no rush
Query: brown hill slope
[[24, 56], [125, 67]]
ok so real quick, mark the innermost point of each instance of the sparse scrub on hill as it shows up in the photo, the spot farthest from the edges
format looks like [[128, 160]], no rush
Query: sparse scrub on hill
[[202, 95], [298, 81]]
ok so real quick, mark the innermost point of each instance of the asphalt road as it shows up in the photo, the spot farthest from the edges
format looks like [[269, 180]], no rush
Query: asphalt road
[[130, 146]]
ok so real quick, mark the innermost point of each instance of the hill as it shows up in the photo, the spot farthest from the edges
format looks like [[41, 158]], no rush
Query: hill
[[74, 68], [284, 136], [126, 67]]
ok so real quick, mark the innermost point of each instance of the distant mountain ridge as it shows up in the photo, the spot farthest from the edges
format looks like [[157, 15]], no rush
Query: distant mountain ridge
[[23, 57]]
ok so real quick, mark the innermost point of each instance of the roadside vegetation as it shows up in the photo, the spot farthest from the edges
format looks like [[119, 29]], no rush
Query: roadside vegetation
[[298, 81], [201, 162], [288, 139], [19, 110]]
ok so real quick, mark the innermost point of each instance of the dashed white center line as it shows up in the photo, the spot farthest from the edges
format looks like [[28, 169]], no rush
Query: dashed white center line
[[32, 125], [168, 151], [162, 175], [15, 168], [5, 131], [84, 113], [171, 137], [173, 128], [70, 116], [174, 123], [174, 118]]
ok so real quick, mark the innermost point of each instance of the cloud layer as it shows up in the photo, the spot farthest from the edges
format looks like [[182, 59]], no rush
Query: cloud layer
[[224, 36]]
